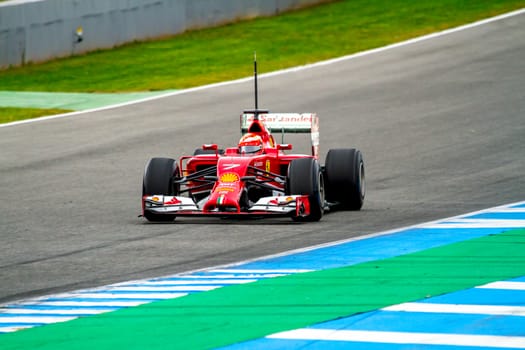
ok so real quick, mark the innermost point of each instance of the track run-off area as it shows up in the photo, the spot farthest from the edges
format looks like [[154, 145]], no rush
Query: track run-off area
[[440, 122], [458, 282]]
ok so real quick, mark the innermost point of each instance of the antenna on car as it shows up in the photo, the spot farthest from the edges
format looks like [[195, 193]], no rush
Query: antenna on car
[[256, 111], [255, 79]]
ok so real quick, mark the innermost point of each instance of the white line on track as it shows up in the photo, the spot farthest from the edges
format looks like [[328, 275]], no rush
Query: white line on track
[[479, 223], [66, 311], [160, 284], [146, 292], [500, 310], [284, 71], [35, 319], [283, 271], [218, 278], [403, 338], [73, 303], [164, 288], [510, 210], [504, 285], [13, 328], [151, 296]]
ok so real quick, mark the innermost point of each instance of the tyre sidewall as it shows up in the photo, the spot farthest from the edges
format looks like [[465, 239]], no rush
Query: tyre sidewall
[[158, 180], [306, 178], [158, 177], [344, 178]]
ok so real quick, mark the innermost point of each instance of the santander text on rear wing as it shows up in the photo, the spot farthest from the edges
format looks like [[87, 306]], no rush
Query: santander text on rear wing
[[307, 123]]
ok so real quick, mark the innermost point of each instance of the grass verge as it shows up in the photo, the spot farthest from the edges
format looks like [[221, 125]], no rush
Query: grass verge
[[8, 115], [224, 53]]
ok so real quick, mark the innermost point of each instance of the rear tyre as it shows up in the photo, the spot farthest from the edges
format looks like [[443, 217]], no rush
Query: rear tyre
[[345, 178], [305, 178], [158, 179]]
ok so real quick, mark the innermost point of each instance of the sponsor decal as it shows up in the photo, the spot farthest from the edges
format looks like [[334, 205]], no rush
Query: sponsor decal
[[173, 201], [281, 201], [224, 189], [230, 166], [229, 177], [155, 199], [282, 118], [268, 166], [291, 121]]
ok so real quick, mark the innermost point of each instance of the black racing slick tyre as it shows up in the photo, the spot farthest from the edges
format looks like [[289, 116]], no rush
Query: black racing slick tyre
[[305, 178], [158, 179], [345, 178]]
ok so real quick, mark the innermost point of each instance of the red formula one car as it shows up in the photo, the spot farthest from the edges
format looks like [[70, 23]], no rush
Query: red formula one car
[[257, 178]]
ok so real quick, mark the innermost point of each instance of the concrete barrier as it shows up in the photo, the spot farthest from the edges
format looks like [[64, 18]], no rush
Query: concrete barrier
[[39, 30]]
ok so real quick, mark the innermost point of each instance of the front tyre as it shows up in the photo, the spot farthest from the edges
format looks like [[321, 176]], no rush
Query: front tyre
[[158, 179], [305, 178], [345, 178]]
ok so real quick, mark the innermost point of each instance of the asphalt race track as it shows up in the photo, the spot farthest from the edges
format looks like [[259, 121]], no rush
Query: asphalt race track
[[441, 124]]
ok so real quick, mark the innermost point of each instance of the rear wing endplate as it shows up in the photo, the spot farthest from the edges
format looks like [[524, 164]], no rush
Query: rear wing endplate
[[307, 123]]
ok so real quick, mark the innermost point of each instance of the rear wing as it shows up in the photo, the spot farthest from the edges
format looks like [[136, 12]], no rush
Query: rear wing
[[307, 123]]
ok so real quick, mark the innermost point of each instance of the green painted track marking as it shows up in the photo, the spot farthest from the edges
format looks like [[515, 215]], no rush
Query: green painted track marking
[[242, 312], [73, 101]]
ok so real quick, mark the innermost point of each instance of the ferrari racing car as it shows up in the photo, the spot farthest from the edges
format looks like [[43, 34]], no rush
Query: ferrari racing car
[[257, 178]]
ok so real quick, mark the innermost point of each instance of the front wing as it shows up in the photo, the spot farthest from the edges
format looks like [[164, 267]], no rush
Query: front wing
[[293, 205]]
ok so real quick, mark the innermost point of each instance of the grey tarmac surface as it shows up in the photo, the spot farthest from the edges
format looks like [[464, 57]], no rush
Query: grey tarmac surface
[[441, 124]]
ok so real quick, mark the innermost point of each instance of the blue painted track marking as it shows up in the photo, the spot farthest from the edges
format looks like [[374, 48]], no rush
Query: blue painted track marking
[[500, 216], [479, 296], [370, 249], [491, 316], [389, 321], [439, 326], [63, 307], [273, 344], [337, 254]]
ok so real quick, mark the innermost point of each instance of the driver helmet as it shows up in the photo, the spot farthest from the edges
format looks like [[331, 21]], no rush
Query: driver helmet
[[250, 143]]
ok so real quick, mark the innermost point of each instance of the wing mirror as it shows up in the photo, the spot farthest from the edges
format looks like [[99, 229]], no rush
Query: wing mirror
[[284, 146], [210, 147]]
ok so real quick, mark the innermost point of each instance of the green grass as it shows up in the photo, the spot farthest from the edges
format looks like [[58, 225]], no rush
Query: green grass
[[223, 53], [8, 115]]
